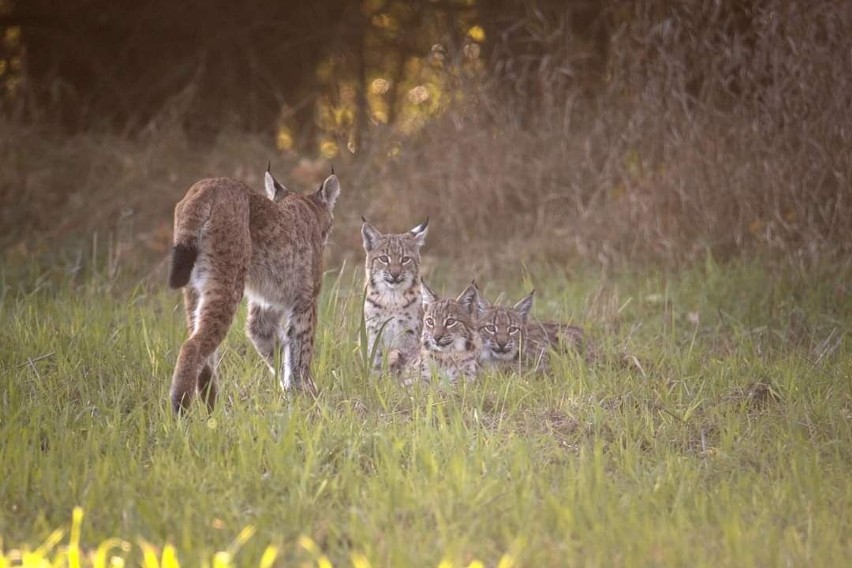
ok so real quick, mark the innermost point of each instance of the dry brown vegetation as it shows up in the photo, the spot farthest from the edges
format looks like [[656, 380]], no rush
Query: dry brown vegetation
[[710, 128]]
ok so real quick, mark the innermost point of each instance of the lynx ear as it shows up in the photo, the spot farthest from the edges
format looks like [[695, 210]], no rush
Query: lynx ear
[[468, 297], [274, 190], [428, 295], [482, 305], [419, 232], [329, 191], [370, 235], [524, 306]]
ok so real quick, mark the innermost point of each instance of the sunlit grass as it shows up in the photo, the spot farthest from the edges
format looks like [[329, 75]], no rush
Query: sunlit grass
[[731, 447]]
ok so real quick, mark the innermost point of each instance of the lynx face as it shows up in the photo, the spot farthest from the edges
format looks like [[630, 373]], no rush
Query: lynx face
[[393, 260], [447, 327], [449, 343], [502, 329]]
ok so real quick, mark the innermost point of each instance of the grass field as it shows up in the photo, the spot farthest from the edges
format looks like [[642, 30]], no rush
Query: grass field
[[732, 446]]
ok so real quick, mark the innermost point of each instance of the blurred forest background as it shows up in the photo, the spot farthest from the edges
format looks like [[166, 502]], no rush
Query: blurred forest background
[[611, 130]]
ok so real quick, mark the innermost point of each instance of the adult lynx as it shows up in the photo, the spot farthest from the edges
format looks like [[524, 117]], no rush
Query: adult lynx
[[229, 240], [393, 310]]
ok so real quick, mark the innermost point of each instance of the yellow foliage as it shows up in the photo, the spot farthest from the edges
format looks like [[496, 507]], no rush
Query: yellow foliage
[[328, 148], [359, 560], [100, 557], [12, 37], [269, 556], [476, 33], [72, 556], [149, 555], [74, 544], [169, 559], [222, 560]]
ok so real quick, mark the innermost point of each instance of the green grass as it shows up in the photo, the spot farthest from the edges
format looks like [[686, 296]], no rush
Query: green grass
[[732, 446]]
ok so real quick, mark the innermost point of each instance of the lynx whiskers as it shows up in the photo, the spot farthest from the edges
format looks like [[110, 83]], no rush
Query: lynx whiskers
[[229, 240]]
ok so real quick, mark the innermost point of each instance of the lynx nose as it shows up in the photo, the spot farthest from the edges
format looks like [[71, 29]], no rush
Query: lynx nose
[[443, 340]]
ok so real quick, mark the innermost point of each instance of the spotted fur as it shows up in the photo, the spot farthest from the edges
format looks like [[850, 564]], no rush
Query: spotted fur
[[511, 340], [449, 343], [230, 241], [393, 308]]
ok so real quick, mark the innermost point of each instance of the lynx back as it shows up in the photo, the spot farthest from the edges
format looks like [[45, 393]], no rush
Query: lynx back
[[229, 240], [393, 309]]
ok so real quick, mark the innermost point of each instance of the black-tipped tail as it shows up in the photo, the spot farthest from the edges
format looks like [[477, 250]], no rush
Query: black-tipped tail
[[183, 259]]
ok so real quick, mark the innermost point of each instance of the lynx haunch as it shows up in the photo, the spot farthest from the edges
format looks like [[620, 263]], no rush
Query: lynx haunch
[[229, 240]]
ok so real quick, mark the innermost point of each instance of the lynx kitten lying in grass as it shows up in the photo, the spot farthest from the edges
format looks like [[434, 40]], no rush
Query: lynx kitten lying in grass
[[513, 341], [449, 343]]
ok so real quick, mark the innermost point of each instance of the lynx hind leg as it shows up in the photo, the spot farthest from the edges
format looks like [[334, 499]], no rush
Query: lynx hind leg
[[207, 387], [207, 377], [300, 338], [194, 370], [214, 301]]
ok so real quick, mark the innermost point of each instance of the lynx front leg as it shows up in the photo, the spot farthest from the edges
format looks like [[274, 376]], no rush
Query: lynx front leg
[[300, 335]]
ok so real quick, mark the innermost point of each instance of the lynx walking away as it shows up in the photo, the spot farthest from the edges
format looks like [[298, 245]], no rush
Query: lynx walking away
[[229, 240], [393, 310]]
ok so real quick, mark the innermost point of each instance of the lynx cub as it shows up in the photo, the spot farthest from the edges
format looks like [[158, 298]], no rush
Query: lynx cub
[[229, 240], [449, 343], [511, 340], [393, 309]]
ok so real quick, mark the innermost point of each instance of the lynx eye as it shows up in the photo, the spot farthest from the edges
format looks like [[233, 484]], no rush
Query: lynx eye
[[430, 322], [450, 322], [384, 259], [490, 329], [513, 329], [405, 259]]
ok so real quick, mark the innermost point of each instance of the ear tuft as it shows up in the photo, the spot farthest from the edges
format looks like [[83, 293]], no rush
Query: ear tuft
[[274, 190], [427, 294], [468, 297], [329, 191], [370, 235], [524, 306], [482, 304], [419, 232]]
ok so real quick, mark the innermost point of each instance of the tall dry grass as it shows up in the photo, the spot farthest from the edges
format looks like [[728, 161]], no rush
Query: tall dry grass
[[713, 128]]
